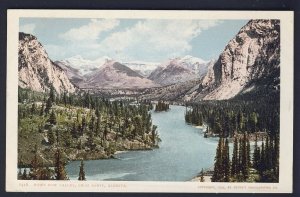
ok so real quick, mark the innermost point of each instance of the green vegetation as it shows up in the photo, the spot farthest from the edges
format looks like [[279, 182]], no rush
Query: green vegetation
[[243, 121], [228, 118], [161, 106], [264, 166], [54, 129]]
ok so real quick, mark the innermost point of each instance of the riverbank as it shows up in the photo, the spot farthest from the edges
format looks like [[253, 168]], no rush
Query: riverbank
[[176, 159]]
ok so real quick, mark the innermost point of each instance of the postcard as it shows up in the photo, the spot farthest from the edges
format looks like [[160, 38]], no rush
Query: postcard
[[149, 101]]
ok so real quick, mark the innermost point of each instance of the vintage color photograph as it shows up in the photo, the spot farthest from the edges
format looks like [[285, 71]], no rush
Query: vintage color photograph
[[149, 99]]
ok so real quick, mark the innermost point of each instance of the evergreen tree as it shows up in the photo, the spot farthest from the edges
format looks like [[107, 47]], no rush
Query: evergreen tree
[[226, 161], [33, 109], [51, 137], [153, 134], [60, 172], [244, 161], [46, 174], [48, 106], [52, 118], [235, 158], [25, 175], [256, 155], [19, 174], [218, 168], [81, 172], [42, 110], [52, 94], [262, 162], [202, 176], [34, 170]]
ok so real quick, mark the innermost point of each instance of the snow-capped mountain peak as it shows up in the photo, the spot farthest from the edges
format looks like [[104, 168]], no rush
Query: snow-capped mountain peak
[[85, 66]]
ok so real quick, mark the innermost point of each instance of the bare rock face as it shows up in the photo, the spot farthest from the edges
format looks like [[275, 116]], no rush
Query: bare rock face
[[253, 54], [37, 71]]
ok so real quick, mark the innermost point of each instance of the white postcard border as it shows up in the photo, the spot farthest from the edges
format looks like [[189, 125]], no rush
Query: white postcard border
[[286, 107]]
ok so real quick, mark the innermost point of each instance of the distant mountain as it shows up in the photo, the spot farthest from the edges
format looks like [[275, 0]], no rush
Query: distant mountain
[[84, 66], [143, 68], [116, 75], [73, 74], [249, 64], [36, 70], [179, 70]]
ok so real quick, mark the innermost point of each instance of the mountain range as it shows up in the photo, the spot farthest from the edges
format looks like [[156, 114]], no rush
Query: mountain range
[[250, 63]]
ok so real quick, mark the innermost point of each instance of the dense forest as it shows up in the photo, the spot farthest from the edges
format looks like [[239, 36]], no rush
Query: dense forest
[[241, 121], [227, 118], [162, 106], [261, 165], [54, 129]]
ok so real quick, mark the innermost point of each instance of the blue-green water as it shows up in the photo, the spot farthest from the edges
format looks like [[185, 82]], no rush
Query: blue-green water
[[181, 155]]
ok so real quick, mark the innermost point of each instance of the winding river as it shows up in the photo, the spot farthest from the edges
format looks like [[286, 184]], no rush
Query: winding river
[[181, 155]]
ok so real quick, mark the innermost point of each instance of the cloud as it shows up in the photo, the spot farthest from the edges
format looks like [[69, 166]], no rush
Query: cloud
[[27, 28], [91, 31], [154, 38], [147, 40]]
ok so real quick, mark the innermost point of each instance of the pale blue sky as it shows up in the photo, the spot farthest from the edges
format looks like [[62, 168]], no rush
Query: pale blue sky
[[132, 39]]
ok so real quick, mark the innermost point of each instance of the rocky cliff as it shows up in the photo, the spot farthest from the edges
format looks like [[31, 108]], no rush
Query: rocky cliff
[[250, 61], [36, 70]]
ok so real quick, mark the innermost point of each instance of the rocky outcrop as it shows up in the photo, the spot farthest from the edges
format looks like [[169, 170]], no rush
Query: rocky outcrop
[[251, 56], [37, 71]]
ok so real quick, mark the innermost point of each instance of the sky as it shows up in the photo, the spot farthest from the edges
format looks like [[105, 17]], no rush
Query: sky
[[149, 40]]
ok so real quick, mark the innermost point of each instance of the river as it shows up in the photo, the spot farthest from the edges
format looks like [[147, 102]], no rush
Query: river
[[181, 155]]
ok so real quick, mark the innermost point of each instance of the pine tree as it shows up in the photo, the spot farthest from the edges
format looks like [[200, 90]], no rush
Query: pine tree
[[244, 162], [33, 109], [81, 172], [46, 174], [60, 172], [90, 140], [256, 155], [52, 118], [25, 175], [19, 174], [218, 168], [235, 158], [262, 162], [240, 164], [202, 176], [48, 106], [34, 170], [42, 110], [51, 138], [52, 94], [248, 154], [226, 162], [153, 134]]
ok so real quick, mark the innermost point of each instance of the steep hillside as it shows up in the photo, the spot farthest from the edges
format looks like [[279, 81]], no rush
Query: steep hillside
[[36, 70], [250, 63]]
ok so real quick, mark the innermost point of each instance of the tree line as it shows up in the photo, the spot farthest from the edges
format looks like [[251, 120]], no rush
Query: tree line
[[226, 118]]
